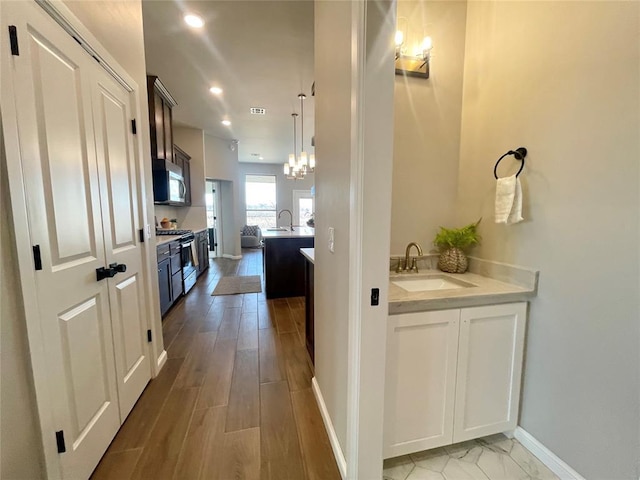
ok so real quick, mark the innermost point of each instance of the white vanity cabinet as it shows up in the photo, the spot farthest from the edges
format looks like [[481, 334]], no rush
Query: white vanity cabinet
[[452, 375]]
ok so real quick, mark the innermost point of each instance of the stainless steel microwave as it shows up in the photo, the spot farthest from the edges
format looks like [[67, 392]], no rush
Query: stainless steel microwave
[[168, 183]]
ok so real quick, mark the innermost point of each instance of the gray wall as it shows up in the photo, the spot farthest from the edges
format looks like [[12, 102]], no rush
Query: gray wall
[[562, 79], [284, 187], [333, 151], [427, 128]]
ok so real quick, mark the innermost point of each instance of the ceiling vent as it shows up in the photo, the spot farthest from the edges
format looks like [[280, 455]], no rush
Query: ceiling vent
[[258, 111]]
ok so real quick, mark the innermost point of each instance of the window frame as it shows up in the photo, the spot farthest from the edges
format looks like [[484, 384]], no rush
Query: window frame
[[246, 206]]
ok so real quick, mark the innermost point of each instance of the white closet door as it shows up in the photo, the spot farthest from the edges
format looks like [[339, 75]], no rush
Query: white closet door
[[51, 84], [112, 106]]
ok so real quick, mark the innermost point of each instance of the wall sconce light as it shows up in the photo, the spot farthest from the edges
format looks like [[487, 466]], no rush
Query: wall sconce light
[[416, 63]]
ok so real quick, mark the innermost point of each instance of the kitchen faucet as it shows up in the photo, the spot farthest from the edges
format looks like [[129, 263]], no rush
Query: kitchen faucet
[[414, 265], [290, 216]]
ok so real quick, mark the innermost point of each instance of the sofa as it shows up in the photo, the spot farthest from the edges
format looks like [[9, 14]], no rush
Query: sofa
[[251, 236]]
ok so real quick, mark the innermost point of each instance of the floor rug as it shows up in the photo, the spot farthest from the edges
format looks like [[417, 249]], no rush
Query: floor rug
[[240, 284]]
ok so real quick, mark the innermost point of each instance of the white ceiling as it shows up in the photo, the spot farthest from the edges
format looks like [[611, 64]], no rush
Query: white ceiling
[[259, 52]]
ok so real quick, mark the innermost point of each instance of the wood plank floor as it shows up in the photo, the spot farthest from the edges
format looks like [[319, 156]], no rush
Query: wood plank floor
[[234, 400]]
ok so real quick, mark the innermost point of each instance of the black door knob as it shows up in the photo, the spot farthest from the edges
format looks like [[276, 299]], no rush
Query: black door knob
[[102, 273], [118, 267]]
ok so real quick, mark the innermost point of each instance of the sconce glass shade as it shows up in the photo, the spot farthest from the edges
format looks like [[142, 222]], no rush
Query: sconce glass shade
[[303, 159], [399, 38], [287, 169], [312, 162], [427, 44], [292, 160]]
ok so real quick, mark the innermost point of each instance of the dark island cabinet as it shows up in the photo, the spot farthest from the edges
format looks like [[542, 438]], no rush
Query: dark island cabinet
[[309, 299], [160, 119], [284, 266]]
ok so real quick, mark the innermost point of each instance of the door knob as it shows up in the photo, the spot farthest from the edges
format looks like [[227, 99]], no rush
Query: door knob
[[118, 267], [102, 273]]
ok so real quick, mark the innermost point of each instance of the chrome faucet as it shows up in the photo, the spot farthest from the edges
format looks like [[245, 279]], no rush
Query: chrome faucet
[[290, 216], [414, 265]]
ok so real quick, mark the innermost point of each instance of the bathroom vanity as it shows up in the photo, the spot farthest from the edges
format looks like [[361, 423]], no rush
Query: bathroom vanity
[[455, 346]]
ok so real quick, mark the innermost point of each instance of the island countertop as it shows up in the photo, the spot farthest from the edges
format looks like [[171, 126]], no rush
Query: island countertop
[[298, 232], [309, 254]]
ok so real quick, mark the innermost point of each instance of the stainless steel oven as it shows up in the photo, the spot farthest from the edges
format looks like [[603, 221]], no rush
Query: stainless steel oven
[[189, 270]]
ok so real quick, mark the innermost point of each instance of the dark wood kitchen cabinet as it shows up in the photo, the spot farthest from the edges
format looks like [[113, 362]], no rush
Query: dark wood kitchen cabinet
[[183, 160], [160, 119], [309, 301], [164, 277], [169, 274], [202, 247]]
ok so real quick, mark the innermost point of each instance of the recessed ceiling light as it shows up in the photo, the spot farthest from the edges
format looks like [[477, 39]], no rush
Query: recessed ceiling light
[[194, 21], [261, 158], [215, 90], [226, 123]]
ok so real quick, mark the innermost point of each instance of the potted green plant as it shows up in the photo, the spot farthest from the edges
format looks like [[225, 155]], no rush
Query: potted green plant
[[453, 243]]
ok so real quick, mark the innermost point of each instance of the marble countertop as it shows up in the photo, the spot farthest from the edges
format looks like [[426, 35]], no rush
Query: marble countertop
[[485, 291], [309, 254], [298, 232]]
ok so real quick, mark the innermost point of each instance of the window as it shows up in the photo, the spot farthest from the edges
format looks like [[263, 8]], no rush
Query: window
[[260, 197]]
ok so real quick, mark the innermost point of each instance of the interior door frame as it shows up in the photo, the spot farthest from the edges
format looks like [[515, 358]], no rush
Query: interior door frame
[[58, 13], [372, 29]]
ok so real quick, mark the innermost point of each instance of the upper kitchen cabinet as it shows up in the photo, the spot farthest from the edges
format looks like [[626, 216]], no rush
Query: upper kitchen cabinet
[[160, 119], [183, 160]]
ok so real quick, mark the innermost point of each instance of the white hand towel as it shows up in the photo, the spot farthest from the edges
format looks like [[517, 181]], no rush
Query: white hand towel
[[508, 200]]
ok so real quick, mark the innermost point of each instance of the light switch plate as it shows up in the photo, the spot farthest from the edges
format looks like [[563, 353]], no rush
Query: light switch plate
[[331, 240]]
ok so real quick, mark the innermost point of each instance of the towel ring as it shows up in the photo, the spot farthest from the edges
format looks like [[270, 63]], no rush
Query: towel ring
[[518, 153]]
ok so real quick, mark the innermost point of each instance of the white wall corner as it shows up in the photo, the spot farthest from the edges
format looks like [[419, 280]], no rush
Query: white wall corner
[[546, 456], [328, 425]]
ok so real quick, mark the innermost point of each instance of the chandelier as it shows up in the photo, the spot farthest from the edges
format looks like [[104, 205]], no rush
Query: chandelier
[[299, 165]]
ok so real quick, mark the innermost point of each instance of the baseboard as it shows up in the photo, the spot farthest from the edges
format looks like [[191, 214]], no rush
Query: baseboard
[[333, 438], [232, 257], [546, 456], [162, 359]]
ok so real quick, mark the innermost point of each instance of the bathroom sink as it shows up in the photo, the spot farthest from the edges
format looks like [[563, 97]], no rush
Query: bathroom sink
[[430, 283], [278, 229]]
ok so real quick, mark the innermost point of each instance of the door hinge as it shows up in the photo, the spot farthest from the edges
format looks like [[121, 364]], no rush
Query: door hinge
[[141, 233], [149, 336], [60, 441], [375, 296], [13, 40], [37, 258], [134, 130]]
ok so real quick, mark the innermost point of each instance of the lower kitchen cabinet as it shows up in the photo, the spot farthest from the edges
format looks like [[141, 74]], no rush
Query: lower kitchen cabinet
[[202, 247], [452, 375], [169, 274], [164, 285]]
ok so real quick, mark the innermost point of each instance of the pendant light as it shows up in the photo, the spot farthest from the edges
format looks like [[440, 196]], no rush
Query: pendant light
[[290, 168], [303, 161]]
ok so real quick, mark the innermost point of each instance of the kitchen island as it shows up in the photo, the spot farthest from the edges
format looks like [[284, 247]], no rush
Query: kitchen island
[[283, 264]]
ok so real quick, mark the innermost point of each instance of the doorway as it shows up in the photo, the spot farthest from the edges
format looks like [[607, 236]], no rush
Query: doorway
[[303, 207], [212, 192]]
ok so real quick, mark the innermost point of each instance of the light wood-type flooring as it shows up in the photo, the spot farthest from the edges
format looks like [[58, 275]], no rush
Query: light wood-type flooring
[[234, 400]]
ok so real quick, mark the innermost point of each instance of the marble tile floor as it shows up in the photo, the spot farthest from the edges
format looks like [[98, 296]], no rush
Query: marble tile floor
[[490, 458]]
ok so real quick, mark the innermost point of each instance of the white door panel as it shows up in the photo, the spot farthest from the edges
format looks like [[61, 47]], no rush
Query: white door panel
[[50, 83], [118, 181]]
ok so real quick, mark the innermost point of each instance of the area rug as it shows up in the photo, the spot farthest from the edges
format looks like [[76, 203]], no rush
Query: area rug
[[240, 284]]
